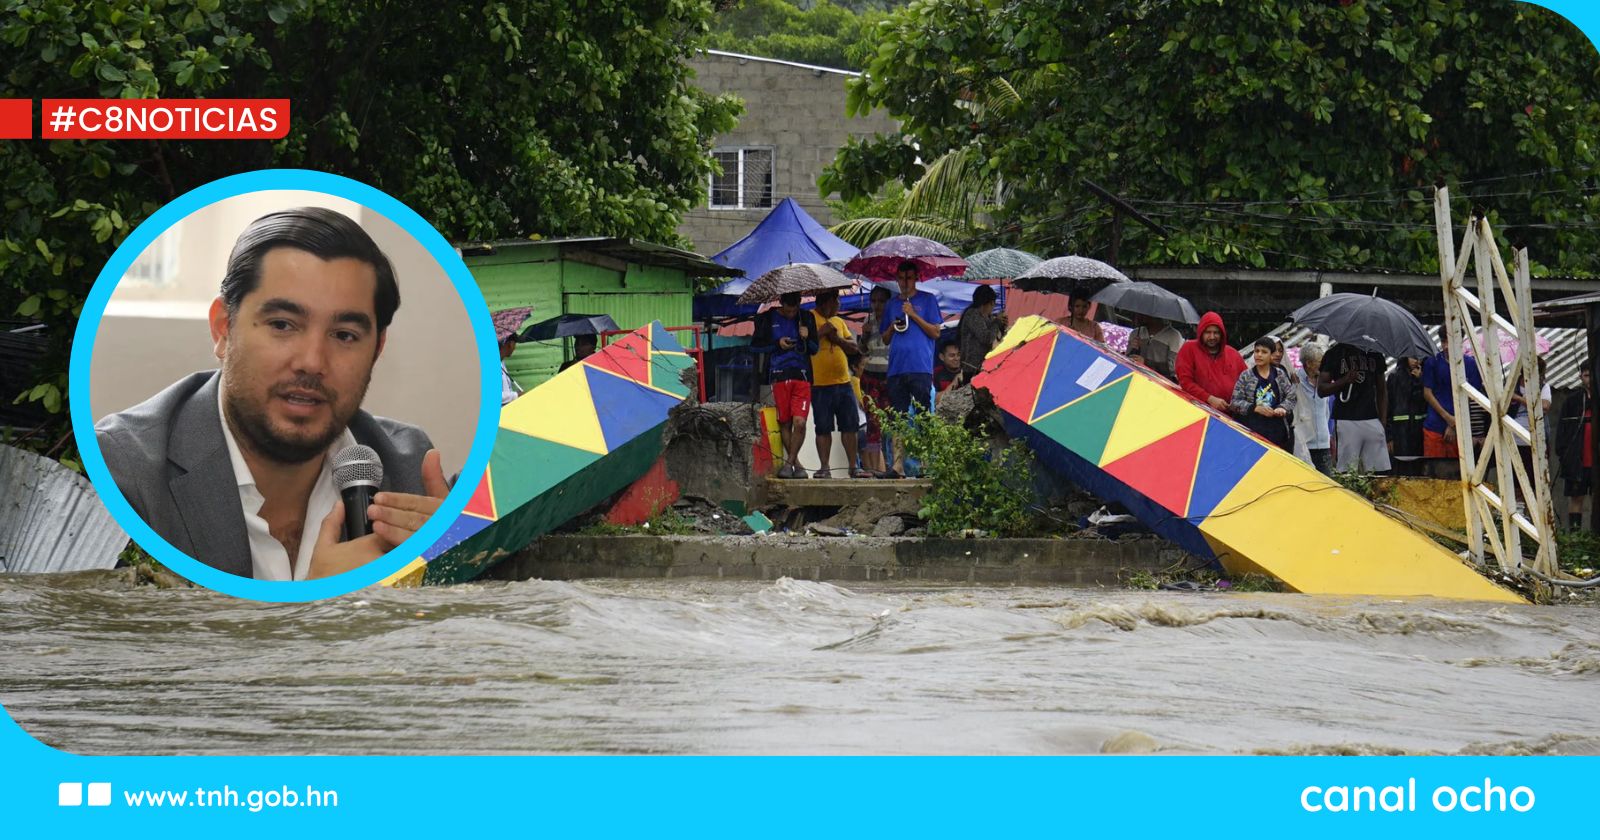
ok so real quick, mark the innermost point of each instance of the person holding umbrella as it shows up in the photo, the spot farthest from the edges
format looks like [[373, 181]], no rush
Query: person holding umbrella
[[1207, 367], [911, 335], [506, 322], [1078, 319], [1355, 378], [583, 346], [1155, 344], [788, 335]]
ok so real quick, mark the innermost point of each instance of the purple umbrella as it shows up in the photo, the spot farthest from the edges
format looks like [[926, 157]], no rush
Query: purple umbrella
[[506, 321], [881, 260]]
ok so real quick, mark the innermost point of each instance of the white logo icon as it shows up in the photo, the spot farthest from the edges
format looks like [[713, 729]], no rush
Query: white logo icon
[[70, 794]]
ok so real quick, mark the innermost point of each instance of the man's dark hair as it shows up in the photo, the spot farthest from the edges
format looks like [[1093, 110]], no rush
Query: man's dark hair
[[1267, 342], [827, 294], [983, 295], [323, 233], [908, 265], [789, 299]]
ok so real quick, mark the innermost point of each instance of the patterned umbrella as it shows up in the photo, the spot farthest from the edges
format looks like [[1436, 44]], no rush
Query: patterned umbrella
[[802, 278], [1069, 276], [1367, 322], [1508, 345], [506, 321], [882, 259], [999, 264]]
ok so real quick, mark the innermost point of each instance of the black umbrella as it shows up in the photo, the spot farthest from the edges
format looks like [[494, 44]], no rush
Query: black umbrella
[[1077, 276], [1367, 322], [1148, 299], [563, 326], [801, 278]]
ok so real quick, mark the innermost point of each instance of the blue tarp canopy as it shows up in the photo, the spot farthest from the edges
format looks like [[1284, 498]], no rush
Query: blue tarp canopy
[[787, 235], [954, 295]]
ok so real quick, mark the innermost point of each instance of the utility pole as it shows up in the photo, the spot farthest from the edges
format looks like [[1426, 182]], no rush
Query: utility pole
[[1119, 207]]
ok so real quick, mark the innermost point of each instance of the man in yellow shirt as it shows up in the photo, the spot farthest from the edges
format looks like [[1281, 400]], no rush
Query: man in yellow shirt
[[833, 401]]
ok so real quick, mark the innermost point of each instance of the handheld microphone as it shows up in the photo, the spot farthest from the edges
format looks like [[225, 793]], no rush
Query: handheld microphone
[[357, 473]]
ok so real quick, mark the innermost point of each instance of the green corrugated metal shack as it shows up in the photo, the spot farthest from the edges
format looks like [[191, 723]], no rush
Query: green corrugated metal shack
[[632, 281]]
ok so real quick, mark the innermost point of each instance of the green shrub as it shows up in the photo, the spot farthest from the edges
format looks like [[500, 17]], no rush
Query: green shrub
[[974, 486], [1365, 485], [1579, 551]]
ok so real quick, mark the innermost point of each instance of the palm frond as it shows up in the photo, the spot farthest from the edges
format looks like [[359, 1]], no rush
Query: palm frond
[[954, 187], [1001, 95], [865, 231]]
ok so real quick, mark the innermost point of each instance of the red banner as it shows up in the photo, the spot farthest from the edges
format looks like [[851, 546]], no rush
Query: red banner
[[16, 119], [165, 119]]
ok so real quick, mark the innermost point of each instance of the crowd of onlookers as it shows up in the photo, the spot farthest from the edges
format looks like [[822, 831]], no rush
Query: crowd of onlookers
[[1339, 409], [817, 368]]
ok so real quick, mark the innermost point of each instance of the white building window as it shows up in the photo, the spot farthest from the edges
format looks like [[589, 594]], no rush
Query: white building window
[[158, 265], [746, 179]]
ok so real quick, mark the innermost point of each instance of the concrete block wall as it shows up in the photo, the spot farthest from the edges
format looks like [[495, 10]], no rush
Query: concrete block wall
[[795, 110], [1081, 562]]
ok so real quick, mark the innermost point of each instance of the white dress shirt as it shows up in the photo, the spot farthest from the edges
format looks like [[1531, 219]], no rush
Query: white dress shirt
[[268, 557]]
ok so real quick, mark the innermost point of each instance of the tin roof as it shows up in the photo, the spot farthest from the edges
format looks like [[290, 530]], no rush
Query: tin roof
[[50, 518], [621, 248]]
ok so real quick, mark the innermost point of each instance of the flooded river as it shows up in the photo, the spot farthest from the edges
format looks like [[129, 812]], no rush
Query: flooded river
[[93, 664]]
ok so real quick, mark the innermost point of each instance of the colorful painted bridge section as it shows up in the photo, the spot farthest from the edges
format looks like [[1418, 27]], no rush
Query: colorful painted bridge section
[[569, 443], [1201, 480]]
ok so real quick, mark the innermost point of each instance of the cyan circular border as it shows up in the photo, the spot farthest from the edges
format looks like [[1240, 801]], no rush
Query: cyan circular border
[[94, 308]]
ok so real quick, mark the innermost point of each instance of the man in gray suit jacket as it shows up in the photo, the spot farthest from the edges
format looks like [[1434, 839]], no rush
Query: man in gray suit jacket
[[232, 466]]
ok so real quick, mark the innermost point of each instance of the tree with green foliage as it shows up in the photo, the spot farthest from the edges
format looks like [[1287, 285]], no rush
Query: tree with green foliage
[[823, 33], [1260, 133], [506, 119]]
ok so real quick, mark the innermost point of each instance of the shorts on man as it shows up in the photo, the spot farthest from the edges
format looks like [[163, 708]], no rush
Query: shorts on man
[[793, 399], [834, 407], [1434, 445], [1361, 442]]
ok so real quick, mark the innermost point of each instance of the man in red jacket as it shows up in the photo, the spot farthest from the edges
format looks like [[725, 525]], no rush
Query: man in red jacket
[[1207, 366]]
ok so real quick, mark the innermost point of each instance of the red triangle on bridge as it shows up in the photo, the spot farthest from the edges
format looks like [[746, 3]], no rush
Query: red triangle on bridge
[[1163, 471], [1013, 377], [482, 501], [629, 357]]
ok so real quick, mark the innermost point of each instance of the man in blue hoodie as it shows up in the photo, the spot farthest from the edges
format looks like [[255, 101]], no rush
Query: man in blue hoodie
[[788, 335]]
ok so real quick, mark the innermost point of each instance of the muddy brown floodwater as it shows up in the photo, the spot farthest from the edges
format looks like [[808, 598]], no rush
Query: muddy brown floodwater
[[92, 664]]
